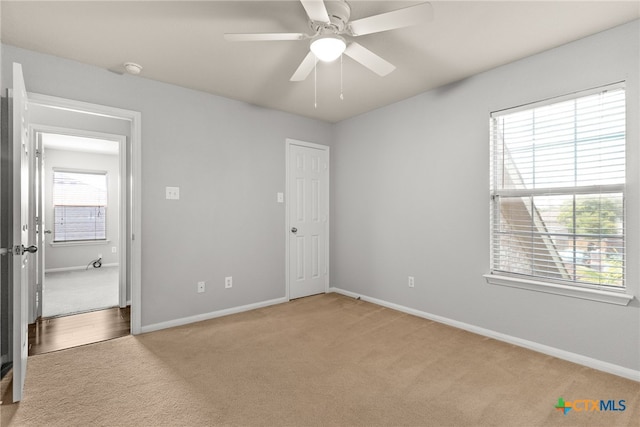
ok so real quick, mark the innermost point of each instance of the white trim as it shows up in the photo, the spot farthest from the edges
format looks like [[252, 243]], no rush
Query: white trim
[[80, 267], [600, 295], [135, 200], [287, 195], [210, 315], [579, 359], [287, 227]]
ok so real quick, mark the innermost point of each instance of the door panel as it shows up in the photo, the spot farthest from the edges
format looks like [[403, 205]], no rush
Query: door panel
[[19, 271], [308, 217]]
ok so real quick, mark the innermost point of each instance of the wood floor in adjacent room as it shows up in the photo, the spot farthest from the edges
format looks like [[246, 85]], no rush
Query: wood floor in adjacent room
[[59, 333]]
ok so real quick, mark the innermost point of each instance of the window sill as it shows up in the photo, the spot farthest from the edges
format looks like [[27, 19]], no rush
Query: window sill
[[610, 297], [79, 243]]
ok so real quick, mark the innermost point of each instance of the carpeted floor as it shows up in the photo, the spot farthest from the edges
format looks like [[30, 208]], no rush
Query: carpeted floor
[[78, 291], [322, 360]]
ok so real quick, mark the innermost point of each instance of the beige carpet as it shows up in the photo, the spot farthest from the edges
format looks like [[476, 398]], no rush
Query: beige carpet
[[323, 360]]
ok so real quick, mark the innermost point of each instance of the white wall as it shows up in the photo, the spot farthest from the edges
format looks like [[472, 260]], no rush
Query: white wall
[[411, 197], [227, 157], [63, 256]]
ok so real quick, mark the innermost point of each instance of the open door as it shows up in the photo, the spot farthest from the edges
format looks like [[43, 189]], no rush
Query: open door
[[20, 224]]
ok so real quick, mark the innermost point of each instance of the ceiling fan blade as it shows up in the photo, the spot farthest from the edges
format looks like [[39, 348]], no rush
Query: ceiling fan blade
[[316, 10], [400, 18], [260, 37], [305, 68], [369, 59]]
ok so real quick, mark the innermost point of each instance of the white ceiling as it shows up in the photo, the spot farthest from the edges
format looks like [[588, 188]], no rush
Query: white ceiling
[[181, 42]]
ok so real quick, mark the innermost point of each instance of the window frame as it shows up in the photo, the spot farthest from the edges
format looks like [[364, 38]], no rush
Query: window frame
[[56, 242], [594, 292]]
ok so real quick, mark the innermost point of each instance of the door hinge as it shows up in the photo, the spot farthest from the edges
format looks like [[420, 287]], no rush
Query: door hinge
[[37, 153]]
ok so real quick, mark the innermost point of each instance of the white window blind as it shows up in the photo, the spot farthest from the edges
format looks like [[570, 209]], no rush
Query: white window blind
[[557, 186], [79, 206]]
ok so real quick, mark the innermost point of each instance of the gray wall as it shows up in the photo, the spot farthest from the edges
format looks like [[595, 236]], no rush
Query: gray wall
[[63, 256], [227, 157], [412, 198]]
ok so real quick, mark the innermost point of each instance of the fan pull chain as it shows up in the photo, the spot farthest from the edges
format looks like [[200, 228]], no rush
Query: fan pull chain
[[341, 92], [315, 85]]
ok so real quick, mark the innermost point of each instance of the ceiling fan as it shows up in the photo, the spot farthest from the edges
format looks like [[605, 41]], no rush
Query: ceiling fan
[[332, 31]]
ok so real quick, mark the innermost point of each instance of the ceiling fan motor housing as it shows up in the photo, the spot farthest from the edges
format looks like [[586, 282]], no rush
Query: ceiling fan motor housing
[[339, 13]]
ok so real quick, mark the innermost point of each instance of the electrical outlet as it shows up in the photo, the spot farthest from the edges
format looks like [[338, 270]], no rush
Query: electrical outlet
[[228, 282], [113, 249], [200, 287], [412, 282]]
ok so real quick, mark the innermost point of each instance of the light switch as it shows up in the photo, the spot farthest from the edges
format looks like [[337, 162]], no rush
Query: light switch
[[173, 193], [280, 197]]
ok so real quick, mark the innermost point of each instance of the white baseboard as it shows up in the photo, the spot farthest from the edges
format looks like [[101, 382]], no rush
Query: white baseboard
[[211, 315], [81, 267], [531, 345]]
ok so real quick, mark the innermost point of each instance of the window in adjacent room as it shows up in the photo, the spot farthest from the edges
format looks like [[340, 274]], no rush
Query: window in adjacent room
[[79, 206], [558, 190]]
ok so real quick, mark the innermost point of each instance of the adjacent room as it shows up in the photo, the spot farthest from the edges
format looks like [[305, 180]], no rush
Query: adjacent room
[[438, 223], [81, 184]]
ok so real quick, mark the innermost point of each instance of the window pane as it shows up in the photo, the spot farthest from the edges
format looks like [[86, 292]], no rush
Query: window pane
[[545, 161], [79, 223], [80, 201], [79, 189]]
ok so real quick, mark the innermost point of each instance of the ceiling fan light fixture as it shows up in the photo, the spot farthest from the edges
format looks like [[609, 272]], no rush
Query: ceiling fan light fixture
[[328, 48]]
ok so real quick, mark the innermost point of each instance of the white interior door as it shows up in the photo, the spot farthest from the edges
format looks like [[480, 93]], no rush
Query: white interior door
[[20, 221], [308, 207]]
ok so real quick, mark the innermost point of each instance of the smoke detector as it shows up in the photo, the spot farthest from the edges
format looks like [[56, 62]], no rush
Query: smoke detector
[[132, 68]]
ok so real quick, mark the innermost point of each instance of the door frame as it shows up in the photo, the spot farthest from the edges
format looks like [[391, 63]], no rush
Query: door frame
[[35, 131], [288, 143], [133, 177]]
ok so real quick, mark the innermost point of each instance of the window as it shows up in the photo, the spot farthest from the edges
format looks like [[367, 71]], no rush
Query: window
[[558, 190], [79, 206]]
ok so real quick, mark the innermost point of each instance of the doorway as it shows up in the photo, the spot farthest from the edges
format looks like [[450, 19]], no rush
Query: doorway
[[79, 205], [307, 218], [59, 116]]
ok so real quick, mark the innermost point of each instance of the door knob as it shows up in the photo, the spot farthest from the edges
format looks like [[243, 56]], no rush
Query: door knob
[[31, 249], [294, 230], [47, 231]]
